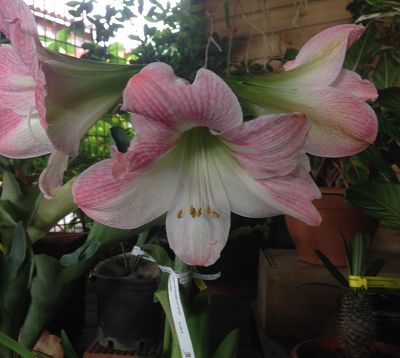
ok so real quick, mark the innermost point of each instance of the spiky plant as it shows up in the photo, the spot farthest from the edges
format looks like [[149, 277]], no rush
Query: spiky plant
[[356, 317]]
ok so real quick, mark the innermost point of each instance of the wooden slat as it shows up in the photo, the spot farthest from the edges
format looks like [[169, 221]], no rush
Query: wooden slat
[[276, 44], [250, 6], [280, 19]]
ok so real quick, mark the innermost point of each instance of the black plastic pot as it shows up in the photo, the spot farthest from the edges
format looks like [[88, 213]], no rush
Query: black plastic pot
[[128, 317]]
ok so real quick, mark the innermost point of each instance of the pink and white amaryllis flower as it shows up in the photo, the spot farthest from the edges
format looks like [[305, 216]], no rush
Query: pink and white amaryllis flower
[[194, 158], [47, 100], [332, 98]]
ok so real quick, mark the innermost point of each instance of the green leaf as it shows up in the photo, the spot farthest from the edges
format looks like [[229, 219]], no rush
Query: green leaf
[[229, 346], [121, 138], [63, 35], [15, 346], [374, 159], [73, 3], [11, 190], [332, 269], [389, 98], [69, 351], [359, 51], [51, 286], [15, 278], [198, 325], [115, 48], [387, 71], [375, 267], [380, 200], [355, 169]]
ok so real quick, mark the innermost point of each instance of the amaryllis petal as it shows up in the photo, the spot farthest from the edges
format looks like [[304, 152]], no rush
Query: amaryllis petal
[[315, 84], [269, 145], [130, 201], [341, 124], [198, 162], [351, 82], [280, 190], [324, 41], [158, 93], [78, 93], [52, 175], [198, 219], [12, 10], [17, 85], [22, 136]]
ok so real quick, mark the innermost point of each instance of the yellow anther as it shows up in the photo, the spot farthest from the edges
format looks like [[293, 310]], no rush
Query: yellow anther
[[208, 210], [214, 214], [198, 212], [179, 214], [192, 211]]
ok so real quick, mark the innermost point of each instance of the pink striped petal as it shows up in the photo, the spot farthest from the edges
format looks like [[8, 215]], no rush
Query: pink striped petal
[[292, 195], [21, 136], [351, 82], [159, 95], [321, 59], [127, 202], [341, 124], [12, 10], [269, 145], [17, 86], [52, 176]]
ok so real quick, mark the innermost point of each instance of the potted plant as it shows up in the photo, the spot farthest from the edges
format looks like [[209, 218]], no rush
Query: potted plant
[[356, 318], [128, 316]]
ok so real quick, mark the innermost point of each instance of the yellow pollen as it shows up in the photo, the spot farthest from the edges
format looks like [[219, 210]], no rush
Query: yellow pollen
[[179, 214], [214, 214], [198, 212], [192, 211], [208, 210]]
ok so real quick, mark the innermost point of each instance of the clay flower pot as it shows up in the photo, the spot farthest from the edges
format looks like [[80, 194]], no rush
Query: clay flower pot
[[339, 218], [305, 349]]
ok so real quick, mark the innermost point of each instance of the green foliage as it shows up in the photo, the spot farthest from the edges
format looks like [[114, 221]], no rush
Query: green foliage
[[356, 255], [380, 200], [182, 42]]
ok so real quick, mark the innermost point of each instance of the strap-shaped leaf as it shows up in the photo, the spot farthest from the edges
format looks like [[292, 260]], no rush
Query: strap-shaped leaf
[[332, 269]]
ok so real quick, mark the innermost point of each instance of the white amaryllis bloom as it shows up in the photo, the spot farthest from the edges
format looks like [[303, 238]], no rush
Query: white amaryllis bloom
[[194, 158]]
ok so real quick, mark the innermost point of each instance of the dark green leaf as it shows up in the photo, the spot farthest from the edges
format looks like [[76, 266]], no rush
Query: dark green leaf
[[375, 160], [69, 351], [122, 140], [198, 325], [15, 346], [381, 200], [389, 98], [359, 51], [229, 346], [73, 3], [355, 169], [387, 71], [375, 267], [332, 269]]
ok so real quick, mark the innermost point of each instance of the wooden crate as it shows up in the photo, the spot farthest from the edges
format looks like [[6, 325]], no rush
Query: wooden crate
[[296, 313]]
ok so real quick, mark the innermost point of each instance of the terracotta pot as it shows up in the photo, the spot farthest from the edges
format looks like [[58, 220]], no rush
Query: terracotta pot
[[339, 218], [332, 343]]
